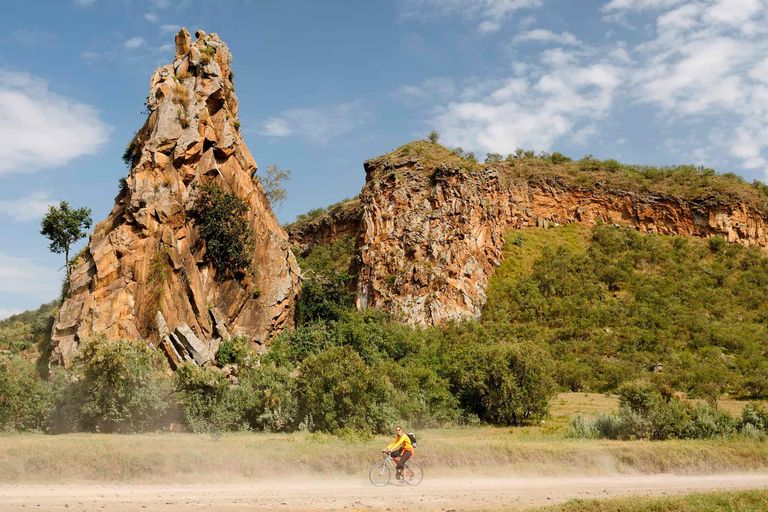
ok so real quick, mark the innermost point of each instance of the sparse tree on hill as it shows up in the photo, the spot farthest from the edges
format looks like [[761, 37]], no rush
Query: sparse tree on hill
[[433, 137], [64, 226], [273, 184], [493, 158]]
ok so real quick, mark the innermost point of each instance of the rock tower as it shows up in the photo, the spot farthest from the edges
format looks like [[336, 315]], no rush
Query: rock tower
[[147, 255]]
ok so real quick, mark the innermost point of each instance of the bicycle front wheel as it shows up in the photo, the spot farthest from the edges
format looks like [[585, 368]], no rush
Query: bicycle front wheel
[[413, 473], [379, 474]]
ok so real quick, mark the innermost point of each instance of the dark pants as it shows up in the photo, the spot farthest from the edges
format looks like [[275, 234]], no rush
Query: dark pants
[[404, 456]]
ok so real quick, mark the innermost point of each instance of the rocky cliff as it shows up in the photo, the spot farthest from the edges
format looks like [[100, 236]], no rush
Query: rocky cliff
[[432, 225], [148, 254]]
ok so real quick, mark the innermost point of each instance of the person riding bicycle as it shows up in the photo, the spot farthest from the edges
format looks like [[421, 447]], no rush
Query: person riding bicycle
[[402, 448]]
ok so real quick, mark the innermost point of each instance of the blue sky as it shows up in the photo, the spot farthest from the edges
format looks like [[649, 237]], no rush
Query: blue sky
[[324, 86]]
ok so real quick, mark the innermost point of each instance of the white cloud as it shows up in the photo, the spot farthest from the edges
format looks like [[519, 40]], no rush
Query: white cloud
[[169, 29], [318, 124], [701, 66], [166, 48], [276, 127], [29, 279], [547, 36], [637, 5], [152, 17], [562, 97], [492, 13], [162, 4], [41, 129], [32, 37], [706, 65], [134, 42], [84, 3], [32, 207]]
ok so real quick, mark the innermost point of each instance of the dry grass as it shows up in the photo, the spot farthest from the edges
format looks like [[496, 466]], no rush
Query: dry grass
[[485, 451], [735, 501], [565, 405], [181, 95]]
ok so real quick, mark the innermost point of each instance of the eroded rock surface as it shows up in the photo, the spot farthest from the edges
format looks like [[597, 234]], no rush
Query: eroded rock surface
[[147, 255]]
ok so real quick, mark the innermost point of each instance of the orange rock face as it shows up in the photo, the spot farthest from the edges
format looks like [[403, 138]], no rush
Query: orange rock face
[[429, 240], [147, 255]]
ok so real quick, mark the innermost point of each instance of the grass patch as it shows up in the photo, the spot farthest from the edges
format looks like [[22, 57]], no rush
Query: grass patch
[[734, 501], [485, 451]]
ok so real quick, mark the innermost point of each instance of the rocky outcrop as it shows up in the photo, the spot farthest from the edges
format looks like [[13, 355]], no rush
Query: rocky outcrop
[[429, 242], [148, 255], [432, 226], [337, 223]]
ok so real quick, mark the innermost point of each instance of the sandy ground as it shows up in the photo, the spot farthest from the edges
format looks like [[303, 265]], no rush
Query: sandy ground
[[433, 494]]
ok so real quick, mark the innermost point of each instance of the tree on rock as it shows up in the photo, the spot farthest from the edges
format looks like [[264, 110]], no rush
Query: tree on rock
[[64, 226], [274, 185]]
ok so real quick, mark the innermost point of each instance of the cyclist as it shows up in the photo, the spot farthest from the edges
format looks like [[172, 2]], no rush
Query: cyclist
[[402, 448]]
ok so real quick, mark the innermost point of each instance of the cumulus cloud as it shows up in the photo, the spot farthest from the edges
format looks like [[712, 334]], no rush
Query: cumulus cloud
[[169, 29], [152, 17], [29, 208], [547, 36], [700, 66], [41, 129], [491, 13], [532, 111], [134, 42], [317, 124], [706, 64], [26, 277]]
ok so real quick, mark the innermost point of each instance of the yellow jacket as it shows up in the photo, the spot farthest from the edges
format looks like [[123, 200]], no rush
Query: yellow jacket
[[403, 441]]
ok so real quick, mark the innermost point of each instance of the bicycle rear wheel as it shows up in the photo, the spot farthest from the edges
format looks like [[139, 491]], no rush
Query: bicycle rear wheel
[[413, 473], [379, 474]]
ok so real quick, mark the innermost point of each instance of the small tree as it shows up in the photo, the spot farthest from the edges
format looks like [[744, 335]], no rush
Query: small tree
[[433, 137], [493, 158], [273, 184], [64, 226]]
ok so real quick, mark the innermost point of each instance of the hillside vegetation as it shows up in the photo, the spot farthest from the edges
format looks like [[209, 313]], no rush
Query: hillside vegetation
[[683, 181], [613, 305]]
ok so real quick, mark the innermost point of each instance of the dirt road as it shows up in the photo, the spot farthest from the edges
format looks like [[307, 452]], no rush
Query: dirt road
[[432, 494]]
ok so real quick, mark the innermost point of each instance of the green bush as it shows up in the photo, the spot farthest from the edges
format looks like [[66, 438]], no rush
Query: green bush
[[645, 414], [223, 224], [324, 298], [114, 386], [208, 401], [337, 390], [25, 398], [236, 351]]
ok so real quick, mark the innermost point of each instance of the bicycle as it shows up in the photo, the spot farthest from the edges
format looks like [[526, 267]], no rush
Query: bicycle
[[380, 473]]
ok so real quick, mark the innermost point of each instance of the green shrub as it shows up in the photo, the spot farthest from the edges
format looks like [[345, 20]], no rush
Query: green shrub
[[222, 220], [336, 390], [25, 398], [208, 402], [274, 405], [115, 386], [16, 337], [324, 298], [582, 427], [236, 351]]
